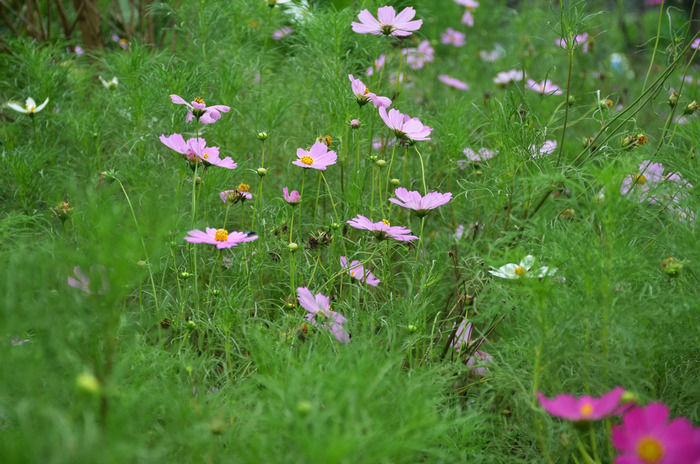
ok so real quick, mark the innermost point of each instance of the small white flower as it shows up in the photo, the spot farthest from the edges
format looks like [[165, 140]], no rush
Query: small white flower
[[29, 106], [109, 84], [518, 271]]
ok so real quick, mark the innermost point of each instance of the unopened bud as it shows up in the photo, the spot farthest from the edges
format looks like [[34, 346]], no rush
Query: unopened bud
[[304, 407], [691, 107], [673, 98], [262, 172], [671, 267], [572, 100], [394, 181], [87, 383], [185, 275], [335, 225], [373, 157], [293, 247], [605, 103], [412, 328], [216, 292], [262, 136], [191, 325], [380, 162], [355, 123], [141, 263]]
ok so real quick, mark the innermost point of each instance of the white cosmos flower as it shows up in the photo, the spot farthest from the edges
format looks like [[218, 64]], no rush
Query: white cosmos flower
[[518, 271], [29, 106], [109, 84]]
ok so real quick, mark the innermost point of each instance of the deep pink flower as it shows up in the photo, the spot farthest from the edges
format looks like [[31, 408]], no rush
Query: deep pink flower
[[195, 149], [388, 23], [421, 205], [363, 94], [378, 64], [382, 229], [452, 82], [292, 197], [82, 281], [282, 33], [358, 271], [417, 57], [404, 126], [585, 408], [205, 114], [452, 37], [222, 238], [320, 311], [646, 437], [545, 87], [318, 157], [505, 78]]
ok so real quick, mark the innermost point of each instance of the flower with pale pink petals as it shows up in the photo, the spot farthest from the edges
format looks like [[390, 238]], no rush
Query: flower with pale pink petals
[[696, 44], [585, 408], [280, 34], [321, 315], [358, 271], [482, 155], [452, 82], [363, 95], [378, 64], [453, 37], [547, 148], [382, 229], [196, 149], [317, 157], [417, 57], [292, 197], [545, 87], [222, 238], [240, 193], [387, 22], [646, 437], [404, 126], [504, 78], [198, 109], [81, 281], [420, 204], [491, 56], [577, 39]]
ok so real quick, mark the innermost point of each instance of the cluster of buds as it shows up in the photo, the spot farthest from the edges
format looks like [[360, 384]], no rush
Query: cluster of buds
[[632, 141]]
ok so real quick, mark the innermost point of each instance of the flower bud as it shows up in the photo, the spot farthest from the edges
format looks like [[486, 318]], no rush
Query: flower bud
[[141, 263], [673, 99], [355, 123], [671, 267], [691, 107], [216, 292], [262, 136], [191, 325], [572, 100], [304, 407], [394, 182], [87, 383], [411, 328], [335, 225], [185, 275], [605, 103], [587, 141], [197, 180], [293, 247], [262, 172], [629, 397], [373, 157], [380, 162]]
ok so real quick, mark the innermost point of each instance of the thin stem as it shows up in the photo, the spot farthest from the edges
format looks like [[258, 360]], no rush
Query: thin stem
[[656, 45], [422, 170], [568, 94]]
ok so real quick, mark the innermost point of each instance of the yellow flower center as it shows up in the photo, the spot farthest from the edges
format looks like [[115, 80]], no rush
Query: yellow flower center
[[386, 222], [520, 271], [221, 235], [205, 156], [586, 410], [123, 41], [243, 187], [352, 273], [650, 450], [640, 179], [307, 160], [30, 108], [199, 100], [365, 92]]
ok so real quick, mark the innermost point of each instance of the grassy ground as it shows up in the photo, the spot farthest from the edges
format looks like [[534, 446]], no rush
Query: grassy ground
[[173, 357]]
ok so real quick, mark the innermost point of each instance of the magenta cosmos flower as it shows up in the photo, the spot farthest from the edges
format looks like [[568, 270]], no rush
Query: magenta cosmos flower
[[205, 114], [452, 82], [358, 271], [292, 197], [318, 157], [363, 94], [320, 311], [585, 408], [404, 126], [387, 22], [196, 148], [222, 238], [382, 229], [421, 205], [452, 37], [646, 437], [545, 87]]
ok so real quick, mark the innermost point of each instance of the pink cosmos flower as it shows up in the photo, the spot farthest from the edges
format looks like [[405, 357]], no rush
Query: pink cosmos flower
[[205, 114], [195, 149], [318, 157], [481, 358], [491, 56], [645, 436], [82, 281], [319, 309], [585, 408], [696, 44], [363, 94], [78, 50], [547, 148], [463, 339], [452, 37], [482, 155], [382, 229], [280, 34], [292, 197], [122, 42], [505, 78], [222, 238], [452, 82], [378, 64], [404, 126], [379, 143], [235, 195], [421, 205], [463, 335], [470, 4], [578, 40], [358, 271], [388, 23], [417, 57], [545, 87]]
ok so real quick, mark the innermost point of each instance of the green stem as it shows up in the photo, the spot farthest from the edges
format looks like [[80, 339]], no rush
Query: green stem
[[568, 94], [656, 45], [422, 170]]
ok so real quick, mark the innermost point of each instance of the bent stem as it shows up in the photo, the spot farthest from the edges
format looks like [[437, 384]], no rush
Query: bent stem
[[422, 170]]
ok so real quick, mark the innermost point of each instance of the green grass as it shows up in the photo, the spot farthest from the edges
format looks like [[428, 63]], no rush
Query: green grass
[[219, 364]]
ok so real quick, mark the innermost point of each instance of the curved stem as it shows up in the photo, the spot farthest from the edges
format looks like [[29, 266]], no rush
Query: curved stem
[[422, 170], [656, 45]]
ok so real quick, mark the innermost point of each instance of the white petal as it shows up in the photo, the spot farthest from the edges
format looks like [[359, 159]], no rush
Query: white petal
[[527, 262], [30, 103], [17, 107], [41, 107]]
